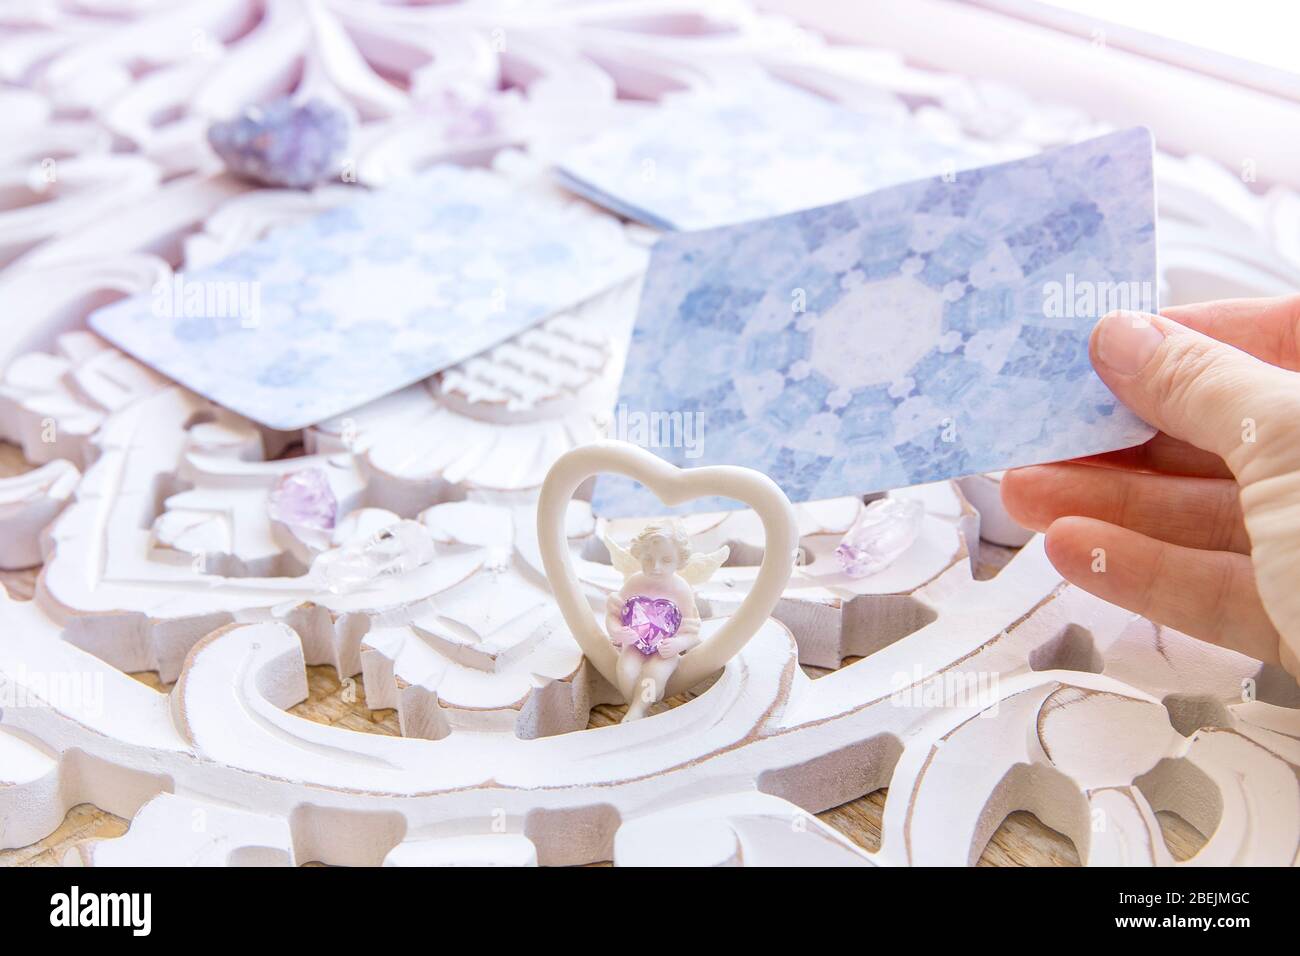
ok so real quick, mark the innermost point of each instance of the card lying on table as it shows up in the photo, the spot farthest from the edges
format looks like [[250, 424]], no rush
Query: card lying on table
[[751, 150], [323, 316], [922, 332]]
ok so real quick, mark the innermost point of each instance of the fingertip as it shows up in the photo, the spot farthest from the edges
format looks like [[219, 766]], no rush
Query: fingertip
[[1125, 342], [1096, 336], [1110, 319], [1012, 488], [1023, 493], [1066, 542]]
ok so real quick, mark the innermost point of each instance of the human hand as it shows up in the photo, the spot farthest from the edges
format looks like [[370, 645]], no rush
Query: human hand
[[1199, 528]]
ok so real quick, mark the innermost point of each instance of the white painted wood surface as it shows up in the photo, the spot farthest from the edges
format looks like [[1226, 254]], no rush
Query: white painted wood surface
[[967, 698]]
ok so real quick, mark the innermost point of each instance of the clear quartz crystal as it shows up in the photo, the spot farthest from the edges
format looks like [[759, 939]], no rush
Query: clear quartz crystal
[[396, 549], [883, 532]]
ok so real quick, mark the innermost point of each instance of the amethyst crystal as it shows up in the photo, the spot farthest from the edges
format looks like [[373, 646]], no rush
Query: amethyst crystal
[[303, 499], [283, 143]]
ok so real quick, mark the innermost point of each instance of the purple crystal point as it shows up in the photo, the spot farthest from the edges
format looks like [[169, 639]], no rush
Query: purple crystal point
[[884, 530], [466, 113], [652, 620], [303, 499], [283, 143]]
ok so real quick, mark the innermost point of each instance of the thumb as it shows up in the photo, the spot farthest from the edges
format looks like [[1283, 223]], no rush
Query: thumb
[[1202, 391]]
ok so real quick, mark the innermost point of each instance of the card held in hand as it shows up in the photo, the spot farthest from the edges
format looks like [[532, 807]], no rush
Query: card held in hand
[[924, 331], [323, 316]]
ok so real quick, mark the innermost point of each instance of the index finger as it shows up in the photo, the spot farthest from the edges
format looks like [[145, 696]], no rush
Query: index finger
[[1162, 455], [1268, 329]]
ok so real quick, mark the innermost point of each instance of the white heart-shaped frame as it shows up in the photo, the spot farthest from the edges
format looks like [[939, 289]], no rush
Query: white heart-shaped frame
[[673, 486]]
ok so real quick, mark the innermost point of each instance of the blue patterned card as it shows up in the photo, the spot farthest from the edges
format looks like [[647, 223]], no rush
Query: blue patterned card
[[323, 316], [929, 330], [748, 150]]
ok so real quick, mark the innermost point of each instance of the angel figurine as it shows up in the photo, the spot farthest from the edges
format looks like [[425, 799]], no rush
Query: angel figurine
[[653, 620]]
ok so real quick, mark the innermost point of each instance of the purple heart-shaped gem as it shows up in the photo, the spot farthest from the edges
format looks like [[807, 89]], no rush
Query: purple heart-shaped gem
[[652, 620]]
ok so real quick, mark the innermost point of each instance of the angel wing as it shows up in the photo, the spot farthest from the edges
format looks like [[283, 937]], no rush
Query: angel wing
[[701, 567], [621, 557]]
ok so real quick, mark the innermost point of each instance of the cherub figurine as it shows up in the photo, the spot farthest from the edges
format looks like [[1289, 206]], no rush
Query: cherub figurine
[[653, 620]]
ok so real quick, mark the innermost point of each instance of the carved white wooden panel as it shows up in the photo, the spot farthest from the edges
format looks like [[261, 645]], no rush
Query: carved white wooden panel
[[967, 698]]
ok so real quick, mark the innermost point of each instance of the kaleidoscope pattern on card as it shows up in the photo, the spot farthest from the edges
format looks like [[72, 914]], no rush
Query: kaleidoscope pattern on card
[[754, 149], [323, 316], [929, 330]]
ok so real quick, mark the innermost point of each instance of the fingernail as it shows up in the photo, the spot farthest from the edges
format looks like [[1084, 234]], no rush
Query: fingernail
[[1126, 341]]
